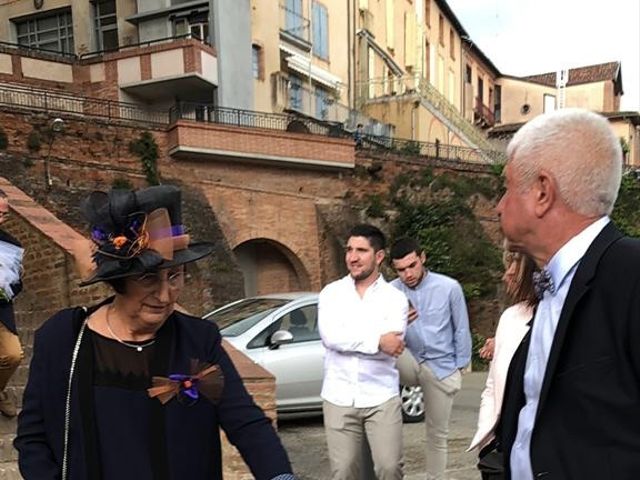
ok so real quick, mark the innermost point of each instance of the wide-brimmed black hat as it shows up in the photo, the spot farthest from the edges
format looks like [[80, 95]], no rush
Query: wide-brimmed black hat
[[137, 232]]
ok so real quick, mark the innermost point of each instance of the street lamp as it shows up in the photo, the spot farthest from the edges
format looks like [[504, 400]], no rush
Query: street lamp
[[56, 127]]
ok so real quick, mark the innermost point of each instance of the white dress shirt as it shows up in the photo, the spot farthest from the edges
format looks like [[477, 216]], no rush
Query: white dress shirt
[[356, 373], [562, 267]]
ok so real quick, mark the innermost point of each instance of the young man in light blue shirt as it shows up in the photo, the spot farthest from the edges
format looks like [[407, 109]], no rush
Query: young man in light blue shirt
[[438, 343]]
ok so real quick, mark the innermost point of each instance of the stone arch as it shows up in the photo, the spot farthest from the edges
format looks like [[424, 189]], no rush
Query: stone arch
[[269, 266], [437, 132]]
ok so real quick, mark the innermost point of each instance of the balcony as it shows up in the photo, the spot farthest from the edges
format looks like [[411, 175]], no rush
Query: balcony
[[205, 132], [295, 28], [160, 70], [482, 115], [321, 105]]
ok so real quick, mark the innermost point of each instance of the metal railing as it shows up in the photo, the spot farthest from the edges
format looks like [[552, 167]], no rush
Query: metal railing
[[483, 114], [291, 122], [41, 51], [57, 102], [148, 43], [386, 87], [427, 149], [289, 96]]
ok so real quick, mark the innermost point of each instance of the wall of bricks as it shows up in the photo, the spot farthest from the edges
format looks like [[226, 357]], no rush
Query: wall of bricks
[[51, 284]]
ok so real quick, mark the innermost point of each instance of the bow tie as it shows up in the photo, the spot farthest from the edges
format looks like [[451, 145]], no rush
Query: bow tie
[[542, 282]]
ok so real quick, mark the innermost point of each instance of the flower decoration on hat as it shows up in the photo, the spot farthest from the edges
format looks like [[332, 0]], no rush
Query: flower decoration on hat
[[205, 378]]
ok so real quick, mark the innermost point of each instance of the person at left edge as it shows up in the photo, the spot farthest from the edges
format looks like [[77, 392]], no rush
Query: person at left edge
[[89, 409]]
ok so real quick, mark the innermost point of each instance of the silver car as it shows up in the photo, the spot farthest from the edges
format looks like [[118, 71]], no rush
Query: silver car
[[280, 333]]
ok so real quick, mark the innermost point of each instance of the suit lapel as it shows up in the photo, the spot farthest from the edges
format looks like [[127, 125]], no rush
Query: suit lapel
[[579, 287]]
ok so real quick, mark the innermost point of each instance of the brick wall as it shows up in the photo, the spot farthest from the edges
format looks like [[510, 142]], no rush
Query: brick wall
[[51, 283]]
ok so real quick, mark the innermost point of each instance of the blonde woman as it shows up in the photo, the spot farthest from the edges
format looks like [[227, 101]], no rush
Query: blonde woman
[[512, 327]]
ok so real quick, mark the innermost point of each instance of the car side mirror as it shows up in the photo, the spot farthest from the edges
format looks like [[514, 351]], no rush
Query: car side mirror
[[279, 338]]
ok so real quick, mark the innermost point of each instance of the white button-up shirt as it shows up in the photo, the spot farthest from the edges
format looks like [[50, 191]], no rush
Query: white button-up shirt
[[562, 267], [356, 373]]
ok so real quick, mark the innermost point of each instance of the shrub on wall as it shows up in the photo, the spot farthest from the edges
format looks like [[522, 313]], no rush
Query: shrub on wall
[[146, 149], [34, 142], [4, 141]]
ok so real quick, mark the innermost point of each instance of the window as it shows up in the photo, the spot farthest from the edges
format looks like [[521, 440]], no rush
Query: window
[[53, 31], [452, 44], [427, 60], [195, 25], [427, 12], [441, 29], [294, 20], [480, 90], [323, 100], [320, 24], [468, 75], [256, 62], [549, 104], [497, 104], [302, 323], [106, 24], [295, 92]]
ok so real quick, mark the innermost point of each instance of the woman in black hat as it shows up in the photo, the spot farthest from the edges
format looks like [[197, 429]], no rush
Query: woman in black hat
[[131, 388]]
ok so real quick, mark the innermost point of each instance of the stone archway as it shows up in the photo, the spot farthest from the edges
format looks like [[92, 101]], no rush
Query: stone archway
[[269, 267]]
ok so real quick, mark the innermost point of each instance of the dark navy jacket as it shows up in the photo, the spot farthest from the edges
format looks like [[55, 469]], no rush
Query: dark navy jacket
[[191, 435]]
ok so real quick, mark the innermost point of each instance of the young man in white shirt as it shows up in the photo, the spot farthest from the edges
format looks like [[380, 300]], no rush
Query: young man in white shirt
[[362, 320]]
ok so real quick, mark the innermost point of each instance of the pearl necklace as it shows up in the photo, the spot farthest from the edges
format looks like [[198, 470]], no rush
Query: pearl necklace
[[139, 348]]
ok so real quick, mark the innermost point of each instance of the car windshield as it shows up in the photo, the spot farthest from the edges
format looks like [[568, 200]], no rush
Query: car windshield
[[239, 317]]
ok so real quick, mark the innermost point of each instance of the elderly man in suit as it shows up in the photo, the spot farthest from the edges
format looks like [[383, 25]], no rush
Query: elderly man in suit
[[572, 402]]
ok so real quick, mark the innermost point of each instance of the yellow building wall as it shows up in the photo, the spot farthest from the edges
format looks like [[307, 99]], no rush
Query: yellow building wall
[[588, 95], [267, 18], [516, 94], [625, 129]]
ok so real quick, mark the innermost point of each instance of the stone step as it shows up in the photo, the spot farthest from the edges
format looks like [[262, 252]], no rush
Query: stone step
[[7, 452]]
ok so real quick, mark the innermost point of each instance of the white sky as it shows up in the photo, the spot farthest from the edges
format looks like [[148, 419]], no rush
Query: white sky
[[523, 37]]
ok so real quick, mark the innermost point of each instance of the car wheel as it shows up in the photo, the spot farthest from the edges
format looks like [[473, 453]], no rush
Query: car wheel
[[412, 404]]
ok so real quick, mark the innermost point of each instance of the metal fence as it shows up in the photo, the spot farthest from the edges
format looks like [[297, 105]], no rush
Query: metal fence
[[251, 119], [50, 101], [428, 149]]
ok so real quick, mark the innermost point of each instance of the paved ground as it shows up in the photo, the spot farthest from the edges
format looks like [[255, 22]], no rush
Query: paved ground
[[305, 442]]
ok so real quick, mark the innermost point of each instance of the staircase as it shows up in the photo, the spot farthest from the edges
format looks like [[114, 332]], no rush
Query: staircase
[[439, 107]]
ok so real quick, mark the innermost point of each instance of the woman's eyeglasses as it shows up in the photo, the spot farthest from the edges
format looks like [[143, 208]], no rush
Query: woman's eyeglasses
[[153, 280]]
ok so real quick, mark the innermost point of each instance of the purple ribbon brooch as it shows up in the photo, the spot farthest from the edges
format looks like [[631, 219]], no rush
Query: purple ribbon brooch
[[205, 379]]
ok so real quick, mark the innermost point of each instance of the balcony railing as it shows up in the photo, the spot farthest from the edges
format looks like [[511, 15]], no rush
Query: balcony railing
[[323, 107], [393, 86], [50, 101], [294, 25], [427, 149], [482, 115], [203, 112]]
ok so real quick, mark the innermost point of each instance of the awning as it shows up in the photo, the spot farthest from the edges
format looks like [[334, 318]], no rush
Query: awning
[[302, 65]]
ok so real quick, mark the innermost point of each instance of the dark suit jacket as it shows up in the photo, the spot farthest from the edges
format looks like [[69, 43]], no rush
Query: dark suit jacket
[[6, 308], [588, 420], [190, 433]]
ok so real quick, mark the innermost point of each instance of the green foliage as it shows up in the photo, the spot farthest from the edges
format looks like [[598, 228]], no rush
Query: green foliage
[[4, 140], [147, 149], [624, 145], [121, 183], [477, 363], [626, 214], [34, 142], [463, 186], [375, 208], [497, 169], [410, 148], [454, 241]]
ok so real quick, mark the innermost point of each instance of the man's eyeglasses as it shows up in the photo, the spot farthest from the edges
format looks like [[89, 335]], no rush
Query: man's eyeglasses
[[150, 281]]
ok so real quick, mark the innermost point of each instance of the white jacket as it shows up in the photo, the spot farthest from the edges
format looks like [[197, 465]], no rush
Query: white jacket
[[512, 328]]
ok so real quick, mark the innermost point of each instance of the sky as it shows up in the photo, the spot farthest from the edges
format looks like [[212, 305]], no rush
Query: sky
[[524, 37]]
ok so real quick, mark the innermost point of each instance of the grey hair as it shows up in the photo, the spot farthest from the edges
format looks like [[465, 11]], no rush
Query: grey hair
[[579, 149]]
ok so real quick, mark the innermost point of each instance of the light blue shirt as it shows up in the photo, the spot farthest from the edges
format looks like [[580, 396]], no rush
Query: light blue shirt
[[562, 267], [440, 335]]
